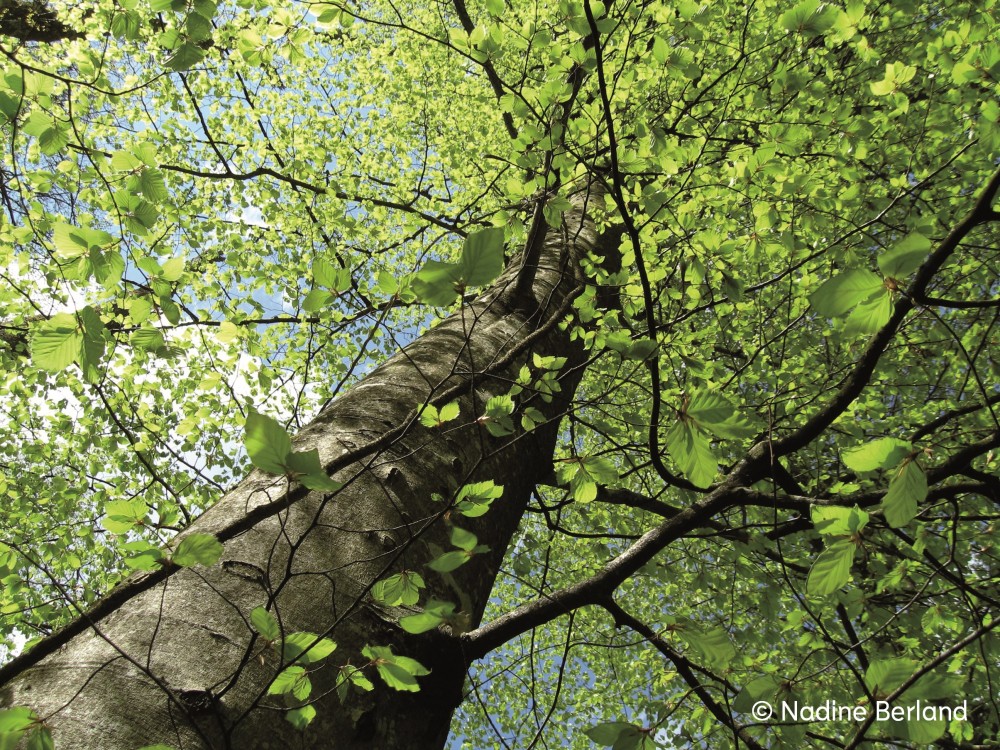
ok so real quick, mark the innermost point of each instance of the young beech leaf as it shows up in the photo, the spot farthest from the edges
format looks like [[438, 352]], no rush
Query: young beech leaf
[[292, 680], [448, 412], [450, 561], [714, 645], [905, 256], [435, 612], [267, 443], [463, 539], [40, 739], [716, 414], [56, 343], [123, 515], [306, 648], [474, 499], [839, 295], [907, 489], [617, 734], [400, 589], [141, 555], [869, 316], [691, 451], [832, 569], [482, 256], [836, 520], [301, 717], [316, 300], [882, 453], [14, 722], [761, 688], [306, 468], [265, 624], [398, 672], [438, 283], [197, 549]]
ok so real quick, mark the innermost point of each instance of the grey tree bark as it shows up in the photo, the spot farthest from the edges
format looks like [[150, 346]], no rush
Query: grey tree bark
[[172, 658]]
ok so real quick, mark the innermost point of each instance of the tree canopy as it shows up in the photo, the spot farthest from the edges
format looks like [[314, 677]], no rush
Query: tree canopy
[[776, 482]]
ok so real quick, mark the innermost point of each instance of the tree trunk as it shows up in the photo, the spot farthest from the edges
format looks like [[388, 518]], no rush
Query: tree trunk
[[174, 660]]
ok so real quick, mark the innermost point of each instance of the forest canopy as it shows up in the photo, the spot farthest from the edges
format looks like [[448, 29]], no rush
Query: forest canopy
[[747, 266]]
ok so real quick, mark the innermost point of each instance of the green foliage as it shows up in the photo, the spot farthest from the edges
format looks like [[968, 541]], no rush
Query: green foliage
[[265, 624], [212, 205], [270, 449], [621, 736], [305, 648], [398, 672], [399, 589], [197, 549], [439, 283]]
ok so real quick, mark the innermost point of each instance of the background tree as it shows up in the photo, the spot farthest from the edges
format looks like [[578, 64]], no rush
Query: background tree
[[727, 422]]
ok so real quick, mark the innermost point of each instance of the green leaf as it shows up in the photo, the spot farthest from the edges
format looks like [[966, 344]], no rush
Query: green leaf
[[173, 269], [616, 734], [18, 719], [832, 569], [400, 589], [760, 688], [691, 451], [885, 675], [448, 412], [449, 561], [905, 256], [126, 25], [56, 343], [324, 273], [482, 257], [267, 443], [153, 187], [881, 453], [141, 555], [435, 613], [870, 315], [301, 717], [839, 295], [907, 489], [835, 520], [438, 283], [463, 539], [305, 467], [53, 140], [497, 418], [197, 549], [187, 56], [714, 645], [72, 242], [265, 624], [474, 499], [717, 415], [398, 672], [149, 339], [306, 648], [316, 300], [294, 680], [808, 18], [122, 516], [198, 27], [40, 739]]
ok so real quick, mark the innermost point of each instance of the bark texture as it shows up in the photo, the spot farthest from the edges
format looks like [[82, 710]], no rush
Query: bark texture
[[177, 662]]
